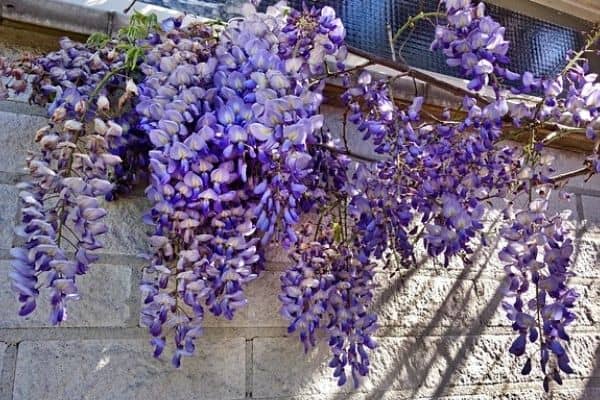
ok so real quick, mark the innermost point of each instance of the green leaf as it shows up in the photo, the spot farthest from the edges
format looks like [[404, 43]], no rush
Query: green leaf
[[139, 27], [132, 55], [98, 39]]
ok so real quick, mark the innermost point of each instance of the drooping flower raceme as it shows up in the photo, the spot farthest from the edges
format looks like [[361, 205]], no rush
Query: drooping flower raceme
[[230, 121], [331, 288], [537, 265], [61, 211], [474, 43]]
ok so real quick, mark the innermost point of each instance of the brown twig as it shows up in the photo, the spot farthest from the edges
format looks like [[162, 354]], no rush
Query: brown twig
[[587, 169], [570, 174], [423, 76], [345, 71], [346, 153]]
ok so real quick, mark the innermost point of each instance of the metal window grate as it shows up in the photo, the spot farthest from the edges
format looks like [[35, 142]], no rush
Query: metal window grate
[[536, 45]]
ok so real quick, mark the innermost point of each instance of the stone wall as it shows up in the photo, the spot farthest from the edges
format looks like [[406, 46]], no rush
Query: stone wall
[[442, 335]]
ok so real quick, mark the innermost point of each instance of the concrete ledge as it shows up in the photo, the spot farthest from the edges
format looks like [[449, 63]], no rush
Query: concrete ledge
[[18, 107], [585, 9], [62, 16]]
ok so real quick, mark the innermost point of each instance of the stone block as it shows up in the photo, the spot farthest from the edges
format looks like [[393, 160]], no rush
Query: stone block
[[3, 347], [558, 393], [263, 302], [591, 208], [8, 213], [586, 256], [16, 137], [126, 370], [127, 234], [404, 363], [105, 292], [422, 302]]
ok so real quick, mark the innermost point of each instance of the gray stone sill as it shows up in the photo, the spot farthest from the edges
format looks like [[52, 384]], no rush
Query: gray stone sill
[[19, 107], [67, 17]]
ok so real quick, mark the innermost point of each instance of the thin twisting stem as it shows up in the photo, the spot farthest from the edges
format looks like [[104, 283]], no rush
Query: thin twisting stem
[[420, 75], [410, 22], [69, 170], [347, 153], [126, 10], [570, 174]]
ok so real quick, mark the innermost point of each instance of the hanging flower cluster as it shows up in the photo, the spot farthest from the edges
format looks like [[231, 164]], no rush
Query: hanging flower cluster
[[330, 287], [538, 254], [475, 43], [230, 120], [223, 120], [15, 79], [439, 177], [60, 209]]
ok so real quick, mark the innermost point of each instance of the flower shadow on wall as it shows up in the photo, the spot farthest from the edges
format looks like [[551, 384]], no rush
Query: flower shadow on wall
[[440, 346], [442, 328], [589, 389], [465, 353]]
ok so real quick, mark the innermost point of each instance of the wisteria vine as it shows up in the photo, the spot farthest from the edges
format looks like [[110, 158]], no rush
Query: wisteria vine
[[223, 120]]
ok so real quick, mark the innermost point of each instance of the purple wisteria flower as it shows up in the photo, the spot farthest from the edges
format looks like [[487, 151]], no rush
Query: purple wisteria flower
[[330, 288], [538, 255], [311, 37], [60, 208], [230, 126], [475, 43]]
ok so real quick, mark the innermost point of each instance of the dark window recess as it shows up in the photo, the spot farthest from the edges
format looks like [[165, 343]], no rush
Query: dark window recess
[[536, 45]]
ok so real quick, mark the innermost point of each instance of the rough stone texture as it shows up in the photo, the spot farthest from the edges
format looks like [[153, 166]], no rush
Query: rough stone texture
[[483, 393], [8, 213], [2, 350], [265, 313], [125, 369], [126, 234], [16, 137], [591, 207], [105, 291], [587, 256], [401, 363], [390, 395], [424, 302], [587, 309], [557, 394]]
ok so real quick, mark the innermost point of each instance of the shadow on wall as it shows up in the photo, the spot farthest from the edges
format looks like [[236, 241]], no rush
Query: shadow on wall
[[591, 390], [444, 333], [420, 361], [466, 352]]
